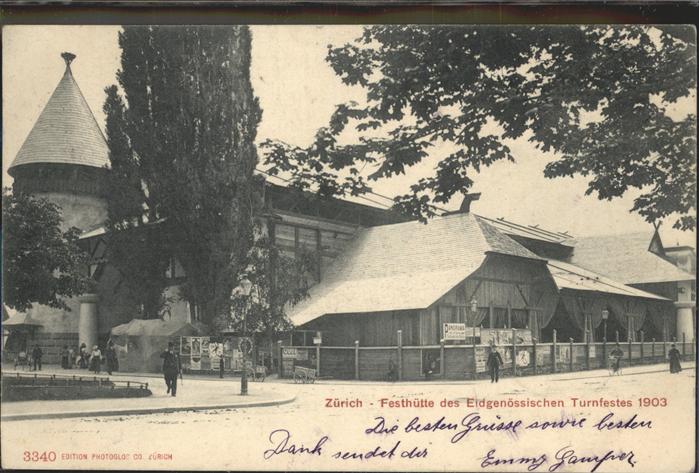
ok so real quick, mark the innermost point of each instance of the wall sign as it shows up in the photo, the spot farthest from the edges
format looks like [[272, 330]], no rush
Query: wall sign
[[290, 353], [452, 331]]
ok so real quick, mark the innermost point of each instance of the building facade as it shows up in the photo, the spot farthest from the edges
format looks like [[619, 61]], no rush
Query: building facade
[[377, 274]]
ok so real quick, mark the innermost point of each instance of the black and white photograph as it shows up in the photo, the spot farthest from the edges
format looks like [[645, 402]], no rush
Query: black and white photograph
[[381, 247]]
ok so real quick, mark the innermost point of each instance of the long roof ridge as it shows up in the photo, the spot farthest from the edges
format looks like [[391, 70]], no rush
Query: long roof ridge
[[535, 231]]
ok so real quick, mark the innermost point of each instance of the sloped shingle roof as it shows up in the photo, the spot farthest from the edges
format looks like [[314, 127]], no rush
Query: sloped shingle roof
[[626, 258], [569, 276], [66, 131], [404, 266]]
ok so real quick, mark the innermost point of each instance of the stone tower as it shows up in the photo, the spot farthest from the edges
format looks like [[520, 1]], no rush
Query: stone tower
[[65, 159], [65, 156]]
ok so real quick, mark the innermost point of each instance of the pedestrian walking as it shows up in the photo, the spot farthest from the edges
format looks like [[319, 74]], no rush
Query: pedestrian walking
[[494, 362], [95, 359], [71, 358], [674, 355], [171, 368], [112, 359], [36, 357], [65, 356], [83, 356]]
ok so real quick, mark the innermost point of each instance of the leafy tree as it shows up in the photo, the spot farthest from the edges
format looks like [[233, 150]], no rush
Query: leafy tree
[[41, 263], [189, 124], [598, 96], [135, 248], [277, 282]]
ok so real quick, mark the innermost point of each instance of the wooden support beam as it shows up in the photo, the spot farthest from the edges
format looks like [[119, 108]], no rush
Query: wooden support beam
[[475, 290], [500, 280], [524, 298]]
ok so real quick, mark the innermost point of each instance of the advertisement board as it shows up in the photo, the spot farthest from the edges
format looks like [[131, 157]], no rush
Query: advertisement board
[[452, 331]]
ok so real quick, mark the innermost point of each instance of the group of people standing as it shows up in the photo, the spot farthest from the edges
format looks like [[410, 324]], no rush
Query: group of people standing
[[91, 359]]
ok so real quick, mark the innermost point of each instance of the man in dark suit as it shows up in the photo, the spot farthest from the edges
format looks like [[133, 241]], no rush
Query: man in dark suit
[[494, 362], [171, 368], [36, 357]]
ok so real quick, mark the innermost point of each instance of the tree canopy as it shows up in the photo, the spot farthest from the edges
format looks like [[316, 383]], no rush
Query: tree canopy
[[186, 153], [183, 156], [597, 96], [136, 248], [41, 263], [277, 281]]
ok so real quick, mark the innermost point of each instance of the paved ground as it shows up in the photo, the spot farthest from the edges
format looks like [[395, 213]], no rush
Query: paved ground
[[192, 394], [238, 438]]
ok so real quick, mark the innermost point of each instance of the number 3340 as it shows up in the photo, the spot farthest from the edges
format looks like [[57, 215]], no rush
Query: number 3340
[[35, 456]]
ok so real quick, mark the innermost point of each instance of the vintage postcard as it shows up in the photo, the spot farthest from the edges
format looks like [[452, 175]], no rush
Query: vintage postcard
[[349, 248]]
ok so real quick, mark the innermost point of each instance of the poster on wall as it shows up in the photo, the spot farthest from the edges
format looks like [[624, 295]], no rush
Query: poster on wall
[[503, 336], [185, 346], [205, 346], [523, 358], [563, 353], [481, 359], [195, 364], [506, 353], [215, 351], [524, 336], [488, 336], [196, 345]]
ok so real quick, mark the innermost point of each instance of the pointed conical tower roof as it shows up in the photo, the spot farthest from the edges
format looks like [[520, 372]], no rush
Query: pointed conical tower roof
[[66, 131]]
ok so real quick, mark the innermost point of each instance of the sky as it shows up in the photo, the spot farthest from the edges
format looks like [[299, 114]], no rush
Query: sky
[[298, 92]]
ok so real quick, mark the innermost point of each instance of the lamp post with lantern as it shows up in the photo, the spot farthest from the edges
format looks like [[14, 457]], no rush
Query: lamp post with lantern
[[605, 316], [244, 289], [474, 308]]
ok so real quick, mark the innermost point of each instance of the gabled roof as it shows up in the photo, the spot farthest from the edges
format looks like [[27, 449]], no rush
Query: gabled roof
[[569, 276], [626, 258], [66, 131], [404, 266]]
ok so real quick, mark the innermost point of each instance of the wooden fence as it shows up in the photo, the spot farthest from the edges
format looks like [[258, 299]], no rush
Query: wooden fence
[[444, 361]]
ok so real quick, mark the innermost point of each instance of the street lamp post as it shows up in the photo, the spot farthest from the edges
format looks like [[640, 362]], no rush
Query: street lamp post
[[605, 316], [474, 309], [245, 286]]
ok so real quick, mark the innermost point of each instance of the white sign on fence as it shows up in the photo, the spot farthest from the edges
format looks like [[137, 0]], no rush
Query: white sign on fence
[[294, 354], [523, 358], [454, 331]]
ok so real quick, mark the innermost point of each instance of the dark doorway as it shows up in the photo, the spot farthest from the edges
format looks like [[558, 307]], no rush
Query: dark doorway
[[650, 331], [563, 325]]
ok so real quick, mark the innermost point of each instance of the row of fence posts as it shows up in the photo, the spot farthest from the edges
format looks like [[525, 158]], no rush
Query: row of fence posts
[[554, 361]]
